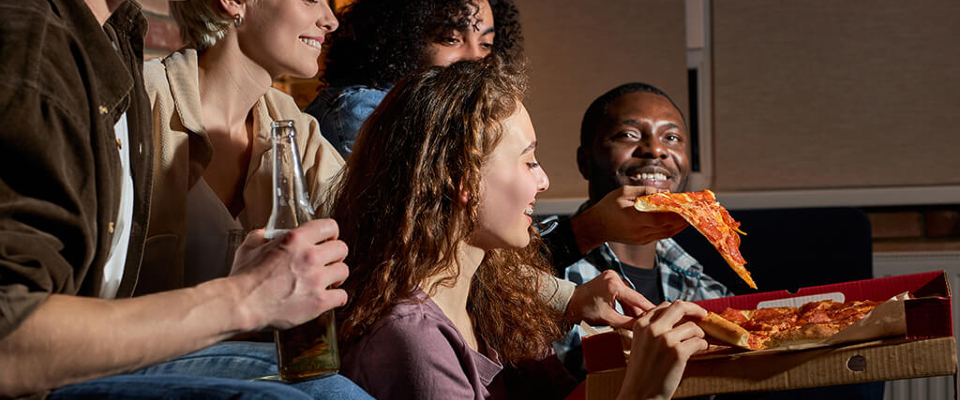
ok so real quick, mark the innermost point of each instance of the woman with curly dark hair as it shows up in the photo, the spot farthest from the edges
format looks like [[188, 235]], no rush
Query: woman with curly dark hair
[[446, 270], [381, 41]]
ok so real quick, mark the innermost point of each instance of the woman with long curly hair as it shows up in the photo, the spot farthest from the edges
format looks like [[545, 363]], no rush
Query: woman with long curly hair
[[381, 41], [436, 204]]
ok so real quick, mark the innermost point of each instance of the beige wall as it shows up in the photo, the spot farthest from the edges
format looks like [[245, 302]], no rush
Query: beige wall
[[580, 49], [835, 94]]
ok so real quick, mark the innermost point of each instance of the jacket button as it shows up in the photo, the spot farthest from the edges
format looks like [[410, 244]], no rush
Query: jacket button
[[103, 110], [119, 144], [110, 228]]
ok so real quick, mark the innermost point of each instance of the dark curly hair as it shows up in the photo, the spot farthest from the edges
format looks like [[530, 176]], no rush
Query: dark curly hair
[[381, 41]]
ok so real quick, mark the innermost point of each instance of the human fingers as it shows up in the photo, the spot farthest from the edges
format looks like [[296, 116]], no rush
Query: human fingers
[[667, 220], [253, 240], [312, 232], [323, 294], [636, 191], [677, 311], [679, 228], [649, 317], [633, 302], [328, 252], [615, 319], [684, 331], [690, 346], [254, 236], [332, 275], [331, 299]]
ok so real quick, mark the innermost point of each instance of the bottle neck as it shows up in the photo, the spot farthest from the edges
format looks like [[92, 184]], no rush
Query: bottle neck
[[291, 203]]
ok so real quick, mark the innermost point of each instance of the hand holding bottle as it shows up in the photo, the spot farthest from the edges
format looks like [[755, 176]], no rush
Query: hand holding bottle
[[293, 278]]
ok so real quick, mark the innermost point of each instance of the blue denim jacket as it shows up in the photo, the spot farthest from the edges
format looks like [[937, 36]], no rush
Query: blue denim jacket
[[342, 110]]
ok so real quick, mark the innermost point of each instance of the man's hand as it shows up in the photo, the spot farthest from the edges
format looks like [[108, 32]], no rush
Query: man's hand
[[594, 302], [613, 219], [294, 278], [663, 340], [281, 283]]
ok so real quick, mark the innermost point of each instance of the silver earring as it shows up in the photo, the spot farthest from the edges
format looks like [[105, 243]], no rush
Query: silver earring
[[237, 20]]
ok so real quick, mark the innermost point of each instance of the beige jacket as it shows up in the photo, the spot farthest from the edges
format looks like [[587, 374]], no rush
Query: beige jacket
[[183, 152]]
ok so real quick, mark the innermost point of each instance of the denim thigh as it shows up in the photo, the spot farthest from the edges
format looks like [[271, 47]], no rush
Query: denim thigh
[[175, 387]]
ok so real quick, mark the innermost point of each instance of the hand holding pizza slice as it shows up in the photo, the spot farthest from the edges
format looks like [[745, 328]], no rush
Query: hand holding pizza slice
[[702, 210]]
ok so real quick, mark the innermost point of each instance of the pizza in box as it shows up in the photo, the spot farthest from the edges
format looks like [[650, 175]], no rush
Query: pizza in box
[[784, 326]]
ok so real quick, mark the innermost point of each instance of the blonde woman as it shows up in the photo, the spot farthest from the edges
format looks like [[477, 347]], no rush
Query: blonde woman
[[212, 105]]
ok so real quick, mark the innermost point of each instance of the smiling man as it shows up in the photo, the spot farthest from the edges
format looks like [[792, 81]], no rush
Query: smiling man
[[634, 135]]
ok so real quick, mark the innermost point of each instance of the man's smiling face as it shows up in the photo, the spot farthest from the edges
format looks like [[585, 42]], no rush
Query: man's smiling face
[[640, 141]]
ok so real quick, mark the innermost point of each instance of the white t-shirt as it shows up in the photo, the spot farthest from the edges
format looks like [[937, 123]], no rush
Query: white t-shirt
[[113, 269]]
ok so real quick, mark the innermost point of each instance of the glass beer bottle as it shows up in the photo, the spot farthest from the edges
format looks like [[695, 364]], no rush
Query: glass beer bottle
[[308, 351]]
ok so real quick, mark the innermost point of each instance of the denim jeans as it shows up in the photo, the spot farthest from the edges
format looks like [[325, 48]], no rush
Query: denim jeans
[[221, 371]]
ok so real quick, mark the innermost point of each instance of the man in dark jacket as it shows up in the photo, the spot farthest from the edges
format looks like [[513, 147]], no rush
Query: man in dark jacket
[[75, 179]]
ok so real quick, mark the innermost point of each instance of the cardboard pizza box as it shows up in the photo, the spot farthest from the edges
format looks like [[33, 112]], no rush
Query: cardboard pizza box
[[924, 346]]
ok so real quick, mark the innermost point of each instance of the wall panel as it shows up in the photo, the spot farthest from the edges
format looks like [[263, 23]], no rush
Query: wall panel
[[580, 49], [835, 94]]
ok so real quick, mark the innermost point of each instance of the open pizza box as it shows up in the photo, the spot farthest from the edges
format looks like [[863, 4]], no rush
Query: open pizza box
[[906, 337]]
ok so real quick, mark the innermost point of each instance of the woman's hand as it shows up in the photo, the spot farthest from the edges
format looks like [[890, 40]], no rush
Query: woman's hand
[[595, 302], [664, 338]]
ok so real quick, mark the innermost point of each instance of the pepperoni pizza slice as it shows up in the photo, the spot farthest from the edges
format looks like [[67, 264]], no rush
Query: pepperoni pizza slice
[[784, 326], [702, 210]]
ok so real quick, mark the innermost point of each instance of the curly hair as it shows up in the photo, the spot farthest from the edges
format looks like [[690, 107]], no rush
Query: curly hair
[[399, 208], [381, 41]]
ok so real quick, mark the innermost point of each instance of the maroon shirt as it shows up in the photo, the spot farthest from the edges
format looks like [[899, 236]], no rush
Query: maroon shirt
[[415, 352]]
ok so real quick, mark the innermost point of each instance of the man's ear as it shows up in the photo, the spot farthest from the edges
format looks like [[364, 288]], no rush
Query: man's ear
[[583, 162]]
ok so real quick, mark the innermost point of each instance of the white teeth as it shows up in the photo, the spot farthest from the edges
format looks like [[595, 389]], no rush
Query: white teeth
[[653, 177], [528, 211], [310, 42]]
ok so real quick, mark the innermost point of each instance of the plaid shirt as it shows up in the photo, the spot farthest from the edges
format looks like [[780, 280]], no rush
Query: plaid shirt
[[681, 277]]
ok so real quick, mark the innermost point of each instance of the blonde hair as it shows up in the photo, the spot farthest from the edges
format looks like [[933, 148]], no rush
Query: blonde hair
[[202, 22]]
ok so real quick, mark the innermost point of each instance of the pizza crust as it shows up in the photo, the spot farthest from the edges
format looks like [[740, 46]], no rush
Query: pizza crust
[[808, 333], [725, 331]]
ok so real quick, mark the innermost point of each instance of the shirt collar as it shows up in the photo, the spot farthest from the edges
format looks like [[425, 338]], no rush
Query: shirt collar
[[114, 82], [183, 73]]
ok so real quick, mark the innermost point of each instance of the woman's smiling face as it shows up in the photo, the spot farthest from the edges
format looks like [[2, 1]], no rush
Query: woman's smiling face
[[511, 177], [284, 36]]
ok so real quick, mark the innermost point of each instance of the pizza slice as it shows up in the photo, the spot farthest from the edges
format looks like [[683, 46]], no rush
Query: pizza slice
[[785, 326], [724, 331], [702, 210]]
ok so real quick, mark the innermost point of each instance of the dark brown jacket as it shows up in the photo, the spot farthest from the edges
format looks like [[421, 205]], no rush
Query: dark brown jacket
[[63, 86]]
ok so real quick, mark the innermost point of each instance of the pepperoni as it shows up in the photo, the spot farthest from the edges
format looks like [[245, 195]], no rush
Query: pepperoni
[[734, 316]]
